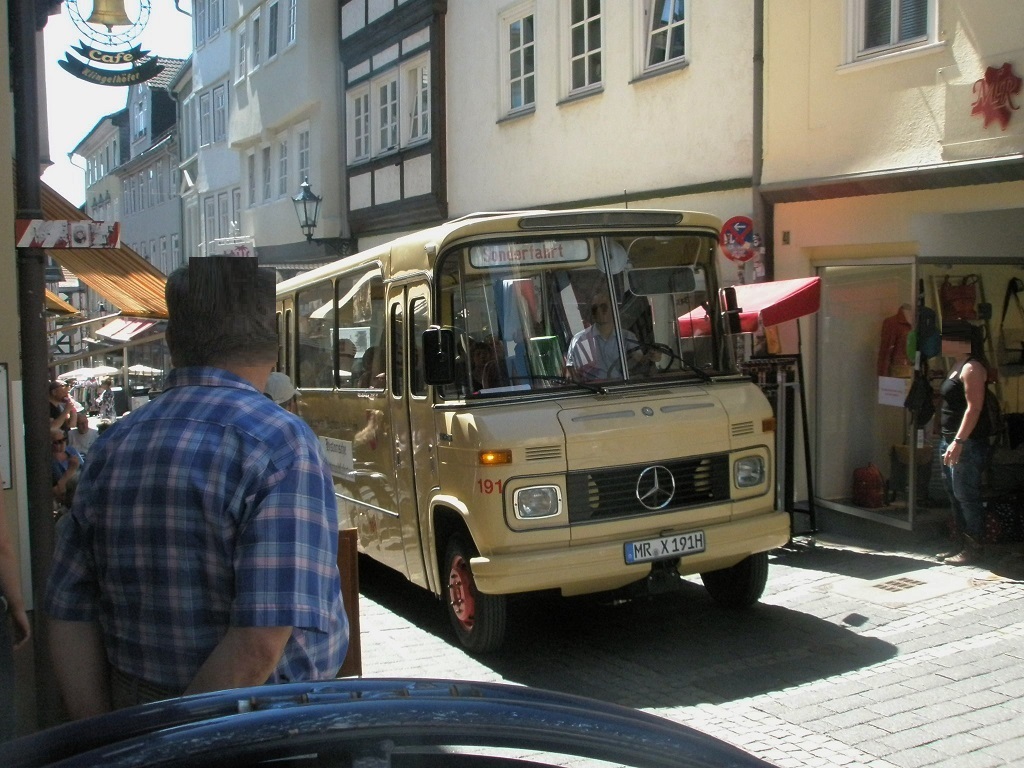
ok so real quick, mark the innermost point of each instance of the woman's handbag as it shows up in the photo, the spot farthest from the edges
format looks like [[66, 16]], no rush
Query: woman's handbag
[[1011, 340], [959, 300]]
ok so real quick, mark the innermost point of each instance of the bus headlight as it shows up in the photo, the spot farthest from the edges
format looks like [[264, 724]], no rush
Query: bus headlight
[[537, 501], [749, 471]]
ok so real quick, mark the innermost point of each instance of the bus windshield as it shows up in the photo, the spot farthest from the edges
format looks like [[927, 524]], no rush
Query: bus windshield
[[581, 312]]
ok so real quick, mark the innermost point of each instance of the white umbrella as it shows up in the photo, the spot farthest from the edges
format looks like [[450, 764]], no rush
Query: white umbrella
[[144, 370], [105, 370], [78, 373]]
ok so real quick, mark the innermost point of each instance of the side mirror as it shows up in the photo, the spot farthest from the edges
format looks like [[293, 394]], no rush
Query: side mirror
[[439, 356]]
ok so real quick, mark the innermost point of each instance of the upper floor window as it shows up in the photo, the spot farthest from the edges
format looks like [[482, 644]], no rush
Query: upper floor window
[[387, 114], [255, 44], [199, 19], [879, 27], [282, 167], [242, 53], [206, 119], [417, 80], [272, 29], [293, 21], [394, 109], [304, 158], [139, 109], [518, 58], [267, 174], [666, 31], [220, 113], [360, 130], [584, 44], [214, 17]]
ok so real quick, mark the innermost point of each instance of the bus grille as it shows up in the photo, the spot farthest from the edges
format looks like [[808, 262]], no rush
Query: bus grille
[[607, 494]]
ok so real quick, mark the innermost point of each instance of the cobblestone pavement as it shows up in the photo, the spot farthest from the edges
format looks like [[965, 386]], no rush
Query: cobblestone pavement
[[854, 657]]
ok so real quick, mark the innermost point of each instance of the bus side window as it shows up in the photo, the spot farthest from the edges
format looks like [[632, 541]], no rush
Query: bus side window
[[316, 323], [397, 353], [420, 322]]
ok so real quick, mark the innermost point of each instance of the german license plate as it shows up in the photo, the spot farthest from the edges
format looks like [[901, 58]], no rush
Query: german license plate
[[664, 547]]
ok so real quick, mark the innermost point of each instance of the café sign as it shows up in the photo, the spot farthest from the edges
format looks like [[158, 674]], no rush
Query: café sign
[[117, 62]]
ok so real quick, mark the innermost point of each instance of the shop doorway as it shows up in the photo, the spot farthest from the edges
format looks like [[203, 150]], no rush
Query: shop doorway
[[853, 428]]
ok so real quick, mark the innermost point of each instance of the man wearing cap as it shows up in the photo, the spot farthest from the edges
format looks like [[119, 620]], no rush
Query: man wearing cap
[[200, 552]]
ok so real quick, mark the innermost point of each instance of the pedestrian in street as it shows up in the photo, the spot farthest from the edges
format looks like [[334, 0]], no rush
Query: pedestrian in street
[[15, 629], [201, 550], [105, 400], [965, 433]]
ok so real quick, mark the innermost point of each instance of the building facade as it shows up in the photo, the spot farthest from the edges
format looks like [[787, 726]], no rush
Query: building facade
[[284, 128], [893, 165]]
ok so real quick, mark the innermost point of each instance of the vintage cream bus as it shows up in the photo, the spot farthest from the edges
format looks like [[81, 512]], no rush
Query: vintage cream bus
[[513, 402]]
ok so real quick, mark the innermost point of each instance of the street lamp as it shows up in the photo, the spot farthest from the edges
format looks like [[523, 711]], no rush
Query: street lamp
[[307, 208]]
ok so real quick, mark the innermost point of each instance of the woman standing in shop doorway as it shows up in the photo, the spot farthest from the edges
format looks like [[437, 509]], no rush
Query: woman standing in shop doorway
[[964, 446]]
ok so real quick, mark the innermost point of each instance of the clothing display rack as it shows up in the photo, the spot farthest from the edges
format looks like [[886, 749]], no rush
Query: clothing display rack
[[781, 379]]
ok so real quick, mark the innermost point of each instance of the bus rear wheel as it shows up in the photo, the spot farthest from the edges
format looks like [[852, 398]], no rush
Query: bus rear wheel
[[478, 619], [741, 585]]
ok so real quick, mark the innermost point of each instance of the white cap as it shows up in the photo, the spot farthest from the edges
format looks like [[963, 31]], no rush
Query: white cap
[[279, 388]]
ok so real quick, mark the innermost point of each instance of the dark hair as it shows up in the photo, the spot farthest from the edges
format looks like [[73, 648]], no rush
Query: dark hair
[[221, 311], [961, 330]]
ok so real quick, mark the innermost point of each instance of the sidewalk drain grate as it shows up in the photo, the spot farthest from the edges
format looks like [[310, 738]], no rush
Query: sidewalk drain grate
[[899, 585]]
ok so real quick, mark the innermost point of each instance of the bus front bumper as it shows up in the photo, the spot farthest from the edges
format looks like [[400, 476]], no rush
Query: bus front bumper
[[587, 568]]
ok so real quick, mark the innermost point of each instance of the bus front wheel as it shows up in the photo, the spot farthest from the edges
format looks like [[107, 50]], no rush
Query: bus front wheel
[[741, 585], [478, 619]]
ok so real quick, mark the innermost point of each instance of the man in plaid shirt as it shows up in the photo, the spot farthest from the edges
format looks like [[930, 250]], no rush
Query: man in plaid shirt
[[201, 550]]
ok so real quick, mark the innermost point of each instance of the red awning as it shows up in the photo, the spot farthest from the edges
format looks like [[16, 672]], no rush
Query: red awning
[[123, 329], [763, 304]]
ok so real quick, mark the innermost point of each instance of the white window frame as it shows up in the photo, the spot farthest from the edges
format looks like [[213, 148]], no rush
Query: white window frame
[[255, 46], [305, 156], [199, 26], [415, 101], [236, 210], [223, 214], [139, 113], [385, 106], [206, 119], [509, 80], [282, 166], [175, 251], [250, 177], [856, 52], [360, 130], [293, 22], [645, 23], [273, 29], [569, 29], [214, 18], [209, 219], [242, 53], [267, 171], [220, 112]]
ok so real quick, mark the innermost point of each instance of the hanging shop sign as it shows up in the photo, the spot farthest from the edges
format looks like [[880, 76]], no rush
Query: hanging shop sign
[[117, 63], [994, 95], [56, 233]]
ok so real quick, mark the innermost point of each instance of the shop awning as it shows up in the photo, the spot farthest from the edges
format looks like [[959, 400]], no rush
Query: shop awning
[[57, 305], [124, 329], [119, 275], [763, 304]]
